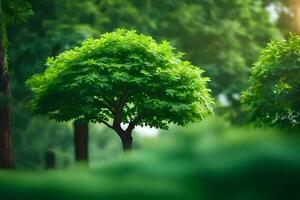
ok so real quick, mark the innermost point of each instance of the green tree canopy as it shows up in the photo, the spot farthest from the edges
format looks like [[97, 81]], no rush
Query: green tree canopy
[[124, 77], [273, 95], [224, 37]]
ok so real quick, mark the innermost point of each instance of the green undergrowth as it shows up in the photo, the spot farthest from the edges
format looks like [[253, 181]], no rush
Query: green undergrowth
[[209, 161]]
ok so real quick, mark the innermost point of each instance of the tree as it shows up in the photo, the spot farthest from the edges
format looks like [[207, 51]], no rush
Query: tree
[[49, 32], [215, 34], [65, 31], [223, 37], [11, 12], [123, 77], [272, 97]]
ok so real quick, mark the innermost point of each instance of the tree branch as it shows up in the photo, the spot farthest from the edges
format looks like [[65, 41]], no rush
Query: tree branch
[[107, 124], [105, 102], [134, 122], [119, 109], [109, 102], [109, 107]]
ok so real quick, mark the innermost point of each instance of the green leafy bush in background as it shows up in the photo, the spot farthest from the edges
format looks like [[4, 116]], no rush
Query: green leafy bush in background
[[273, 97]]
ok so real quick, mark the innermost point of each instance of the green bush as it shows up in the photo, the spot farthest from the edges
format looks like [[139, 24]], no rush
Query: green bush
[[273, 95], [211, 161]]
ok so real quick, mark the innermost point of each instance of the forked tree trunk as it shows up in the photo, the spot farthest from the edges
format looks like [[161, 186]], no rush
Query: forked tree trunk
[[6, 153], [81, 140]]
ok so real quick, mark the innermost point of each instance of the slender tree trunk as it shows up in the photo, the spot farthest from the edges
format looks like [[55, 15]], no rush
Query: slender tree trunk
[[6, 153], [81, 140]]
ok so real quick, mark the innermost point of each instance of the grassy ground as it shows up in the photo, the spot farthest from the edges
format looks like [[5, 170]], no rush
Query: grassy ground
[[211, 161]]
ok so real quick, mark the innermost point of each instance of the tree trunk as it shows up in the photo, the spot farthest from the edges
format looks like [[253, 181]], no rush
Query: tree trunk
[[6, 154], [50, 159], [81, 140], [127, 140]]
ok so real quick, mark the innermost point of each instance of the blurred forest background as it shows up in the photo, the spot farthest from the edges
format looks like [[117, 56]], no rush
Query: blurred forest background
[[224, 37]]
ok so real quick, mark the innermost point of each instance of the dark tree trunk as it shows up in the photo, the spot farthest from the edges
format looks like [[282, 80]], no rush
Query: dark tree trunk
[[50, 159], [6, 153], [126, 139], [81, 140], [127, 144]]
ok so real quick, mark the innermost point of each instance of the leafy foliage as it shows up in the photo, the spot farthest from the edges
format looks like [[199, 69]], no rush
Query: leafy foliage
[[273, 95], [201, 35], [121, 72], [214, 34], [224, 37], [16, 11]]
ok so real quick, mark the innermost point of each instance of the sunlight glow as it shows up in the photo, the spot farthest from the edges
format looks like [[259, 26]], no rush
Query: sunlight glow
[[146, 131]]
